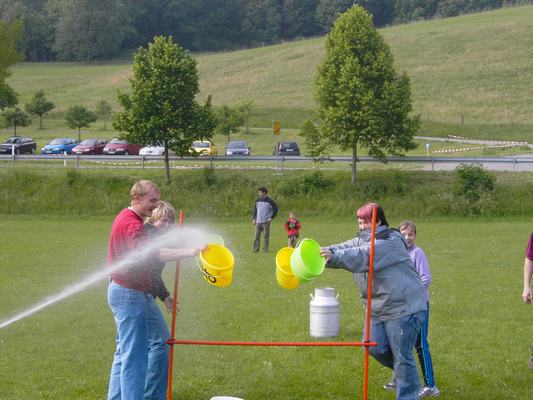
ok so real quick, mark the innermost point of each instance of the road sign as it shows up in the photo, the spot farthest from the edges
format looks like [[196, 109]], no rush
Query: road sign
[[276, 127]]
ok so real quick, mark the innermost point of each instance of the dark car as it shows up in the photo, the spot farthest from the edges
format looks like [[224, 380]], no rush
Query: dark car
[[22, 145], [287, 149], [59, 146], [237, 148], [121, 147], [90, 146]]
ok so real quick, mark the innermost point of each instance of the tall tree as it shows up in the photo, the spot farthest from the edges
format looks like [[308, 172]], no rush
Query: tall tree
[[228, 121], [247, 110], [327, 12], [103, 111], [361, 99], [39, 106], [10, 34], [299, 18], [161, 108], [90, 29], [15, 117], [261, 21], [78, 117]]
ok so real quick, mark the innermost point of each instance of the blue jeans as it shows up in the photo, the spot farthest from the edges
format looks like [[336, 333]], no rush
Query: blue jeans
[[140, 363], [396, 342]]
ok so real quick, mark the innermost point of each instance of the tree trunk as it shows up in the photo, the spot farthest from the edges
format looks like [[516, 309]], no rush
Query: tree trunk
[[354, 163], [15, 126], [79, 135], [167, 164], [40, 121]]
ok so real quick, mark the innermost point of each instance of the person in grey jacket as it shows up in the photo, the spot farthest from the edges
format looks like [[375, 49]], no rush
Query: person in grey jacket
[[265, 210], [398, 295]]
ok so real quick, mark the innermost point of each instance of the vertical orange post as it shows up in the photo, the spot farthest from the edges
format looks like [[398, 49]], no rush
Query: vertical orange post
[[369, 301], [173, 326]]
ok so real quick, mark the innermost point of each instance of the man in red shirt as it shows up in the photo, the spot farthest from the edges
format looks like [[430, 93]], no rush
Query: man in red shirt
[[136, 369]]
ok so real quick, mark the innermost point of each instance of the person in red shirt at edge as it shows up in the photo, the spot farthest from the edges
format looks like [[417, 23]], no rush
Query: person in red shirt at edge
[[138, 372], [292, 226]]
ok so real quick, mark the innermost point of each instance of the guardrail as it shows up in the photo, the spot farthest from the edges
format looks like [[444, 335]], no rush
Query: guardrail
[[278, 162]]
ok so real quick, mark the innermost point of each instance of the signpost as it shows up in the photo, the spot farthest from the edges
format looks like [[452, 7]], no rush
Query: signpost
[[276, 130]]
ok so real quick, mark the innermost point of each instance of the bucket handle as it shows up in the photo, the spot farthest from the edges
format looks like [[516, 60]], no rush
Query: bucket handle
[[204, 272]]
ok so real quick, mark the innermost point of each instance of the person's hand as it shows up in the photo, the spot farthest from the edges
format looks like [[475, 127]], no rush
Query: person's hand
[[527, 295], [168, 304], [326, 253], [253, 221]]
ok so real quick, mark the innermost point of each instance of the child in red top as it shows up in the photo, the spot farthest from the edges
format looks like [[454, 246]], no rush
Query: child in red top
[[292, 226]]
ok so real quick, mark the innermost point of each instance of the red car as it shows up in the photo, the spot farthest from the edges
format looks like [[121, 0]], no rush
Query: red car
[[90, 146], [121, 147]]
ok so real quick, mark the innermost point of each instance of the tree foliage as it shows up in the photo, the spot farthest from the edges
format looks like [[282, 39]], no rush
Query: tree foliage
[[229, 119], [78, 117], [15, 117], [39, 106], [96, 29], [361, 99], [161, 108], [10, 34], [103, 111], [90, 29], [316, 145]]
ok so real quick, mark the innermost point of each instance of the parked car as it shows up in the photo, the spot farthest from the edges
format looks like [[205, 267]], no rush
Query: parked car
[[155, 151], [122, 147], [287, 149], [22, 145], [60, 146], [203, 148], [238, 148], [90, 146]]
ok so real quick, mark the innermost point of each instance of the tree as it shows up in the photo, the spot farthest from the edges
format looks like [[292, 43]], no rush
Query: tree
[[15, 117], [103, 111], [39, 106], [78, 117], [361, 100], [161, 108], [314, 142], [90, 29], [247, 111], [228, 121], [10, 34]]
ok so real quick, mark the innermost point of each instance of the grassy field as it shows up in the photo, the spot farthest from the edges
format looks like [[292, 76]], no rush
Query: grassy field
[[479, 331], [469, 76]]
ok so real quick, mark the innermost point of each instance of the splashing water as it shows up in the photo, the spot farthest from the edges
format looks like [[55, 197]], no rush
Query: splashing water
[[185, 237]]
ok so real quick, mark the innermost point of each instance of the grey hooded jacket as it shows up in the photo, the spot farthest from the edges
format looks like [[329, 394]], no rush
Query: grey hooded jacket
[[397, 289]]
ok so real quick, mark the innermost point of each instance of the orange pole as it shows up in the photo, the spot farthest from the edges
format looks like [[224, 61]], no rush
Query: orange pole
[[173, 326], [369, 302]]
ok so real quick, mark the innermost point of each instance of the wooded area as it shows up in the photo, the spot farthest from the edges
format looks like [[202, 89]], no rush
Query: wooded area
[[86, 30]]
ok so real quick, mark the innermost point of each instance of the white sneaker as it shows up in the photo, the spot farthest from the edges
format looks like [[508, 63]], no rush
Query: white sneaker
[[427, 391], [390, 385]]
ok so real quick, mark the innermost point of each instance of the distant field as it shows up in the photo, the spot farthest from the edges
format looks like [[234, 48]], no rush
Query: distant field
[[470, 76], [479, 330]]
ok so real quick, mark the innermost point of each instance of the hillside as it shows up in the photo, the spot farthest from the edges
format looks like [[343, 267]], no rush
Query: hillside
[[473, 68]]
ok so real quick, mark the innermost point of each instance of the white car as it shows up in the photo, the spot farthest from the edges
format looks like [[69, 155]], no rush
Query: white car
[[154, 151]]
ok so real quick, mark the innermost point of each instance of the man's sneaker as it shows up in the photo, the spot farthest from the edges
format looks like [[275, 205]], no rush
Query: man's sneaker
[[427, 391], [390, 385]]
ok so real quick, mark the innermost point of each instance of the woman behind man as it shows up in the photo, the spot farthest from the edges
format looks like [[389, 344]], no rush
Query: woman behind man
[[398, 295]]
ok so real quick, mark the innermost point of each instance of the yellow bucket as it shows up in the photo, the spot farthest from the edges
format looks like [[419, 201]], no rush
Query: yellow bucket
[[217, 265], [284, 275]]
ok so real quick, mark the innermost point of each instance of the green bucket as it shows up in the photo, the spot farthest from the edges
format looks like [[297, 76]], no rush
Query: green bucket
[[306, 261]]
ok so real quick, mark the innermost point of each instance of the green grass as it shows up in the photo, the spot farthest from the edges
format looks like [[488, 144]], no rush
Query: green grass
[[469, 75], [479, 330]]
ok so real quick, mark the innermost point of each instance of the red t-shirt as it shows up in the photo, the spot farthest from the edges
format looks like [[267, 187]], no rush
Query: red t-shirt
[[127, 234], [529, 249]]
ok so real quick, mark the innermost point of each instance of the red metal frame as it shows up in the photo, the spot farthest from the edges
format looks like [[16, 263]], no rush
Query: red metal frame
[[366, 343]]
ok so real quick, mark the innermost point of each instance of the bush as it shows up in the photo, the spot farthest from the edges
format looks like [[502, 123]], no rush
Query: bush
[[473, 181]]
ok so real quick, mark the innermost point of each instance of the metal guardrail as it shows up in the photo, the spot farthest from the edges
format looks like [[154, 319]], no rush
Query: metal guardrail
[[75, 160]]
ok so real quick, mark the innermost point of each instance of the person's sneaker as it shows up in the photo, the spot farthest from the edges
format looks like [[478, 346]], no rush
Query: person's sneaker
[[390, 385], [427, 391]]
